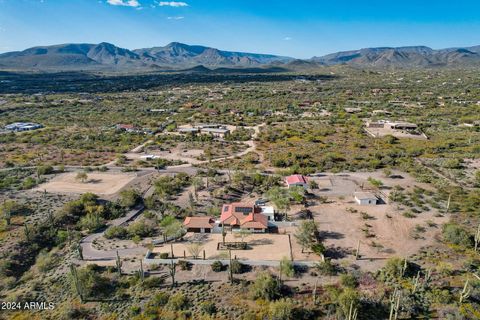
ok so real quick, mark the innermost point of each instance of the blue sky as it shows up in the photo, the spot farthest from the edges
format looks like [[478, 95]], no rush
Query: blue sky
[[295, 28]]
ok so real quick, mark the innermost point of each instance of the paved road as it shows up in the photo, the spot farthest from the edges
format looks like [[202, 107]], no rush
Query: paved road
[[90, 253], [268, 263]]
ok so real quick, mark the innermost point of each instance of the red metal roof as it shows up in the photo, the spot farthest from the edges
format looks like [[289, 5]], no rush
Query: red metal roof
[[296, 179]]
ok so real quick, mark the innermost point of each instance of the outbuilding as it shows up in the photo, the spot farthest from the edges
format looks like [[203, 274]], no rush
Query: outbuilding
[[365, 198], [199, 224]]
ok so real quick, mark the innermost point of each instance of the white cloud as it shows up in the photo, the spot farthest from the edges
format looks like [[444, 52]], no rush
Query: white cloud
[[172, 4], [125, 3], [175, 18], [287, 38]]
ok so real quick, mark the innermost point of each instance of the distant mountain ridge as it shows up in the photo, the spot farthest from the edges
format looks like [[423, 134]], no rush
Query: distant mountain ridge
[[405, 57], [108, 56], [179, 56]]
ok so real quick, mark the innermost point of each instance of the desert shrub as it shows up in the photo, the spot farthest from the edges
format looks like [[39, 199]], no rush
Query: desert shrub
[[326, 268], [184, 265], [265, 287], [237, 266], [129, 198], [142, 228], [396, 268], [93, 283], [117, 232], [177, 302], [164, 255], [45, 169], [348, 298], [160, 299], [348, 280], [282, 309], [46, 260], [455, 234], [153, 282], [217, 266], [208, 307]]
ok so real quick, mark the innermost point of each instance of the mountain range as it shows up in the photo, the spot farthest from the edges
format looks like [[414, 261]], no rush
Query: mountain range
[[179, 56]]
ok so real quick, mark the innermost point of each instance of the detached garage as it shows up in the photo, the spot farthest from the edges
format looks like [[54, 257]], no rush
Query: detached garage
[[199, 224]]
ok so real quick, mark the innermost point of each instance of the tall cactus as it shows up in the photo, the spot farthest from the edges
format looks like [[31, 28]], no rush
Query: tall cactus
[[357, 252], [394, 305], [76, 282], [27, 232], [416, 282], [80, 251], [172, 271], [477, 237], [465, 294], [119, 265], [404, 267], [141, 272], [352, 312]]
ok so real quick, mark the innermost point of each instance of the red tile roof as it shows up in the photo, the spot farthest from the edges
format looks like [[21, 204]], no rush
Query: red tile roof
[[243, 215], [199, 222], [296, 179]]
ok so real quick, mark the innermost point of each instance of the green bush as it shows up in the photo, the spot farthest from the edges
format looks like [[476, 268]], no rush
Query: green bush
[[348, 280], [208, 307], [164, 255], [183, 264], [265, 287], [178, 302], [117, 232], [282, 309], [326, 268], [217, 266], [153, 282], [455, 234], [237, 266]]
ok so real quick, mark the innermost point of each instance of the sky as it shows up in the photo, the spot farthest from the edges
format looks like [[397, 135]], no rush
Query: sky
[[296, 28]]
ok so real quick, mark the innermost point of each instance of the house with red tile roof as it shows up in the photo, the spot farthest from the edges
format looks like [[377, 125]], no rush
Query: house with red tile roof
[[296, 180], [243, 216], [199, 224]]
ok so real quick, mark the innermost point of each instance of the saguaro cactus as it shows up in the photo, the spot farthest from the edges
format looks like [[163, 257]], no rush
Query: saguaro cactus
[[465, 292], [119, 264], [76, 282], [172, 271], [394, 305], [352, 312], [477, 237]]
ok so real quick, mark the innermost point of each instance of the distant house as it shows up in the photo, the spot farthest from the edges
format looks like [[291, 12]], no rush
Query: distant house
[[23, 126], [199, 224], [353, 110], [149, 157], [237, 216], [401, 125], [188, 130], [365, 198], [216, 132], [296, 180]]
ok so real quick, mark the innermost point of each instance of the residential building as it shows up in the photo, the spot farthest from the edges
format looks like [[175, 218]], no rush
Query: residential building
[[23, 126], [237, 216], [296, 180]]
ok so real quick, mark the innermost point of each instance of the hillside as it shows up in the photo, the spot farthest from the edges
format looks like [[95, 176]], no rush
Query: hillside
[[108, 56], [403, 57]]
